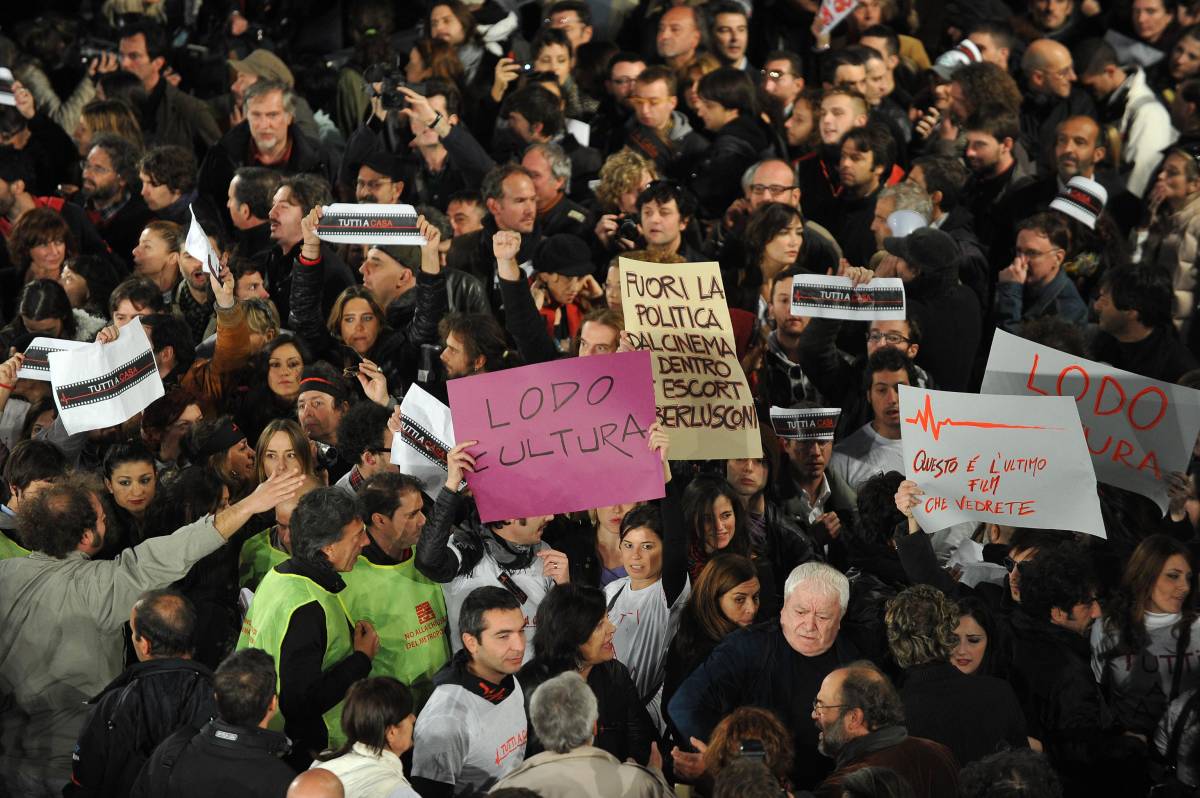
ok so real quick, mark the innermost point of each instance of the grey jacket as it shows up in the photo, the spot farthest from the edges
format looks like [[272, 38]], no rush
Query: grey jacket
[[61, 638]]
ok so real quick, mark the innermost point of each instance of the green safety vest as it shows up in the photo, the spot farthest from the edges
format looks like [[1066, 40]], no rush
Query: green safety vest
[[258, 556], [409, 614], [10, 549], [279, 595]]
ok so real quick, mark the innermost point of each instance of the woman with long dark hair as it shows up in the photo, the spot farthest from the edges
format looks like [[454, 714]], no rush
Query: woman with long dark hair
[[715, 521], [274, 384], [575, 634], [1142, 648], [131, 480], [774, 242], [724, 599], [378, 720]]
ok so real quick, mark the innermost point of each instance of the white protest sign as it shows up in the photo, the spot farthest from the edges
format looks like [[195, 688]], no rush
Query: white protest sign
[[834, 11], [1136, 429], [807, 424], [102, 385], [199, 247], [350, 223], [828, 297], [36, 365], [426, 436], [1018, 461]]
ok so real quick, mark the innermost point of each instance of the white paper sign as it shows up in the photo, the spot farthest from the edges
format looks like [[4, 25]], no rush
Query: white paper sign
[[827, 297], [834, 11], [1136, 429], [199, 247], [426, 437], [102, 385], [1018, 461], [350, 223], [36, 365]]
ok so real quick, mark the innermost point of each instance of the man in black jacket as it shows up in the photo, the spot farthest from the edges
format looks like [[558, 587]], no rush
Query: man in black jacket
[[163, 692], [1136, 333], [1052, 676], [233, 756], [868, 154], [110, 194], [269, 137]]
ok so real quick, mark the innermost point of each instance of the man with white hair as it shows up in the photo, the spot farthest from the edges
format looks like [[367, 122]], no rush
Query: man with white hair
[[777, 667], [563, 712], [905, 196]]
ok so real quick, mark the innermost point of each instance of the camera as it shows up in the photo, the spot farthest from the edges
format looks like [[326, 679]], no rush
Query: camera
[[327, 456], [91, 48], [392, 76], [627, 228]]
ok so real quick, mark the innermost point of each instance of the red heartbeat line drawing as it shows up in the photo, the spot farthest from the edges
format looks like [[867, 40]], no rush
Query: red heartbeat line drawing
[[926, 419]]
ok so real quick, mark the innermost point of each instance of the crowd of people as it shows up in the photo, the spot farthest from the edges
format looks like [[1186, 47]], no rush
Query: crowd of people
[[236, 591]]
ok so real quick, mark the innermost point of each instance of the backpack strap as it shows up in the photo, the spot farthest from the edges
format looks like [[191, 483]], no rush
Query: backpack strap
[[1185, 635]]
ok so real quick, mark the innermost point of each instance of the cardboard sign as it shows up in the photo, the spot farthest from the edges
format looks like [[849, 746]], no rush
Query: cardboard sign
[[36, 365], [1018, 461], [350, 223], [199, 247], [426, 437], [834, 11], [1136, 429], [102, 385], [828, 297], [812, 424], [559, 437], [677, 311]]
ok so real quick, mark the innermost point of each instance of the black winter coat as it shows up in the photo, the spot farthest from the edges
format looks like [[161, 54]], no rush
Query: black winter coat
[[218, 760], [717, 178], [133, 714]]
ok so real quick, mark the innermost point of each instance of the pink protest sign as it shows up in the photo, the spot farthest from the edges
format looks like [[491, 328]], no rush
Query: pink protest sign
[[559, 437]]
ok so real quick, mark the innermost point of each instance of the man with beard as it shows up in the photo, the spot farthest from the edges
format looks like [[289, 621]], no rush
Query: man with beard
[[1050, 97], [777, 666], [999, 169], [861, 722], [109, 199]]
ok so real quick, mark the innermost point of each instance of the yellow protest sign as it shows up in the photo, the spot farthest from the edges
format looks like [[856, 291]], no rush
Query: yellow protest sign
[[677, 311]]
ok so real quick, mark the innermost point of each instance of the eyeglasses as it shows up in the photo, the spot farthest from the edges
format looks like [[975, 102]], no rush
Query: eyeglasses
[[1032, 254], [372, 184], [775, 74], [653, 102], [622, 81], [820, 708], [1010, 564], [760, 188], [84, 166], [892, 338]]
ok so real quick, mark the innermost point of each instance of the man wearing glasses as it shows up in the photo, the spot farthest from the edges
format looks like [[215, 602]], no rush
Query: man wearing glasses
[[659, 132], [1051, 95], [118, 212], [782, 77], [616, 113], [572, 17], [1035, 285]]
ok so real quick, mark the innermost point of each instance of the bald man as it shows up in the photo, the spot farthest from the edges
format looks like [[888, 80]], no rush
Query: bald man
[[1052, 94], [316, 783], [678, 38], [1078, 149]]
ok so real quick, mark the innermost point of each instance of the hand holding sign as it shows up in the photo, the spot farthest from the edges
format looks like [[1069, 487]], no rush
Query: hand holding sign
[[311, 248], [459, 463], [8, 374]]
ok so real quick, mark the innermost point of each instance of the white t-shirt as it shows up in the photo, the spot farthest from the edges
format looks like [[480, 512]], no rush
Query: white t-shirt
[[865, 454], [462, 738], [486, 573], [645, 628]]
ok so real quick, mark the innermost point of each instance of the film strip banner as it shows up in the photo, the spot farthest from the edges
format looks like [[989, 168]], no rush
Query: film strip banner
[[425, 439], [811, 424], [106, 386], [348, 223], [37, 357], [826, 297], [102, 385]]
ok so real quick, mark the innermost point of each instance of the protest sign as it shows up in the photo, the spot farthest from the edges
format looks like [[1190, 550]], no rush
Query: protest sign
[[199, 247], [810, 424], [834, 11], [426, 436], [829, 297], [36, 365], [101, 385], [678, 312], [350, 223], [1136, 429], [1018, 461], [559, 437]]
